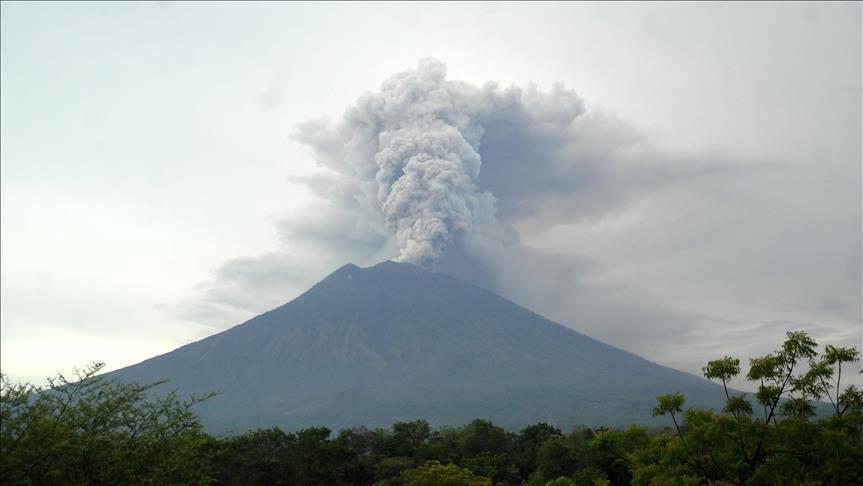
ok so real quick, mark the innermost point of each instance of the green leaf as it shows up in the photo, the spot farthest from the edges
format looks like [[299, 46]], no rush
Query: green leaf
[[671, 403]]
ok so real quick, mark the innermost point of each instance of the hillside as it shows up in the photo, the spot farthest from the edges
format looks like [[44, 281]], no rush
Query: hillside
[[370, 346]]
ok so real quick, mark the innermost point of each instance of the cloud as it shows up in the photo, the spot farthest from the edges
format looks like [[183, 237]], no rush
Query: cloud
[[566, 210], [431, 160]]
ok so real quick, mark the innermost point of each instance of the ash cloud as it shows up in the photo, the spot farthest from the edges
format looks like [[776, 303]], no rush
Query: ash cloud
[[441, 173], [467, 180], [437, 163], [411, 154]]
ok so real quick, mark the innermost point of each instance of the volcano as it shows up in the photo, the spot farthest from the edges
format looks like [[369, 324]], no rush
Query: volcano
[[371, 346]]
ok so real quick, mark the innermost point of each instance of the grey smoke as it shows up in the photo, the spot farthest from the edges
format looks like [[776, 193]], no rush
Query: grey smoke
[[446, 174], [512, 188], [416, 144], [427, 160]]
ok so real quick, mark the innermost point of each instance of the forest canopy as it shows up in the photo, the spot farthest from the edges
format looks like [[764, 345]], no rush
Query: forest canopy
[[802, 425]]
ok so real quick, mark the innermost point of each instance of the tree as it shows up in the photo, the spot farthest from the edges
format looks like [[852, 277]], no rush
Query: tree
[[408, 436], [314, 459], [389, 470], [821, 373], [616, 451], [561, 481], [556, 458], [775, 374], [786, 444], [483, 437], [486, 450], [255, 457], [527, 445], [91, 431], [672, 405], [433, 473]]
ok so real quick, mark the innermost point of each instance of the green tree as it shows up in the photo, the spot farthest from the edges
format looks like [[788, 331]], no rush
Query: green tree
[[408, 436], [483, 437], [314, 459], [820, 375], [256, 457], [433, 473], [561, 481], [528, 443], [486, 450], [589, 476], [91, 431], [389, 470], [615, 451], [556, 458], [787, 444], [775, 373]]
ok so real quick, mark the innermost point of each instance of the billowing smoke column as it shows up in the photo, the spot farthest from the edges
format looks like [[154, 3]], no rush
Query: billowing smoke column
[[407, 158], [402, 177], [428, 161]]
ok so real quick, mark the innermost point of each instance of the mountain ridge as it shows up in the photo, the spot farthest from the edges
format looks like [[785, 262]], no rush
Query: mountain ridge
[[369, 346]]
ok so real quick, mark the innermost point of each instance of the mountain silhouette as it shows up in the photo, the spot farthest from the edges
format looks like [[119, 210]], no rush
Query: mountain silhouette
[[371, 346]]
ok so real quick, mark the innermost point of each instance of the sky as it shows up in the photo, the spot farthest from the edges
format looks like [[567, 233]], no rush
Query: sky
[[679, 180]]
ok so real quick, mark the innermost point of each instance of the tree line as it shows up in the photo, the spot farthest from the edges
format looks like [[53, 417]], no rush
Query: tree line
[[801, 426]]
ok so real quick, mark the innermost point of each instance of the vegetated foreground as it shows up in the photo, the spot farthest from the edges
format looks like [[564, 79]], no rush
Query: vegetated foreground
[[92, 431]]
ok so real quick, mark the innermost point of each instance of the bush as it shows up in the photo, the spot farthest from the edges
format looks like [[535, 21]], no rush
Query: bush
[[92, 431], [437, 474]]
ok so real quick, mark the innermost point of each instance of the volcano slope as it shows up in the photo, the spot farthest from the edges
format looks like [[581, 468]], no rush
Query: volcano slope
[[371, 346]]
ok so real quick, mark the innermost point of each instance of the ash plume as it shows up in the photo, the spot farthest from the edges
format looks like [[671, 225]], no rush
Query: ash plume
[[428, 161], [447, 175], [570, 212], [416, 144]]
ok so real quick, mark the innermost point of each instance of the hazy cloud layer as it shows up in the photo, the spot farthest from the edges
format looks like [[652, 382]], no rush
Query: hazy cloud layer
[[569, 212]]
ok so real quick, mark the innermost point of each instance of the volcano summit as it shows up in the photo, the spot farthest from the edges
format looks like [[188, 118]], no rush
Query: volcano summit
[[370, 346]]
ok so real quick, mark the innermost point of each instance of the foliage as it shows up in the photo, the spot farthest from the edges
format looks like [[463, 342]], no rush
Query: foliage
[[88, 431], [308, 456], [557, 458], [787, 443], [561, 481], [528, 443], [91, 431], [437, 474]]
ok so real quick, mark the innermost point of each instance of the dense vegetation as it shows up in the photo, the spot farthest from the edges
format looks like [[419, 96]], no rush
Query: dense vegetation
[[90, 431]]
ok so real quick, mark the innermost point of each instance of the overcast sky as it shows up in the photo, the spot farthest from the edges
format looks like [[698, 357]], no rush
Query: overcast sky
[[679, 180]]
